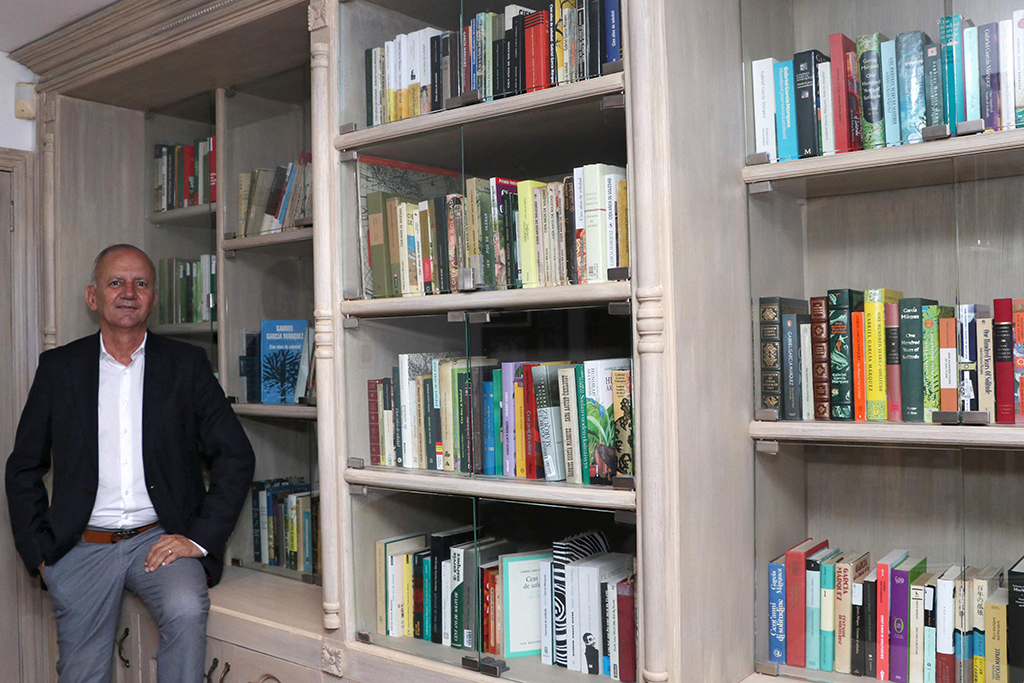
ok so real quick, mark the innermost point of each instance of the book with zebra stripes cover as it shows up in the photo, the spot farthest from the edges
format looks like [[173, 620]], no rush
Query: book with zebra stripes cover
[[563, 552]]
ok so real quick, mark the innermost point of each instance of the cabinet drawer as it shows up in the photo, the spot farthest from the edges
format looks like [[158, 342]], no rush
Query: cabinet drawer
[[248, 666]]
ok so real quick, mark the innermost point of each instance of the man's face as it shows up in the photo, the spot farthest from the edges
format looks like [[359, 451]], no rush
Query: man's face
[[123, 295], [589, 639]]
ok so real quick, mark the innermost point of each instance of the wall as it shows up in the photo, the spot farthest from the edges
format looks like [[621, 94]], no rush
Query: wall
[[14, 133]]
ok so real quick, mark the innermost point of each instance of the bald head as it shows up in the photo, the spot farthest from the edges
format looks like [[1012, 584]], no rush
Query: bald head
[[118, 248]]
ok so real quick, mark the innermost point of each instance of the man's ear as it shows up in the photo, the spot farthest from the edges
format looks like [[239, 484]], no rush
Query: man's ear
[[90, 297]]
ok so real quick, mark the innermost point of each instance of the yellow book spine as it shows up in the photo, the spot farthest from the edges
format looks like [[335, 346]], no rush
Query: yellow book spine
[[520, 432], [622, 225], [527, 238], [407, 593], [874, 350], [995, 641], [413, 97]]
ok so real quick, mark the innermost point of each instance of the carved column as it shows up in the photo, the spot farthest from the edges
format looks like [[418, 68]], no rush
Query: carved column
[[49, 301], [650, 219], [323, 152]]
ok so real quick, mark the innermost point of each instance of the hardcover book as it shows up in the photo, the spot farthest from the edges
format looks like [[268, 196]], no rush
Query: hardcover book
[[869, 60], [785, 111], [967, 353], [874, 349], [770, 312], [947, 364], [986, 366], [820, 364], [841, 304], [1002, 332], [912, 358], [763, 77], [280, 356], [792, 391], [827, 116], [850, 571], [777, 610], [910, 61], [845, 92], [1007, 87], [931, 360], [806, 373], [988, 74], [935, 106], [972, 101], [899, 619], [808, 111], [796, 599], [890, 94], [857, 353]]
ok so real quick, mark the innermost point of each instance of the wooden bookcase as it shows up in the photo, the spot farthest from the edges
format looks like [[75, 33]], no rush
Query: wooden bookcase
[[927, 219]]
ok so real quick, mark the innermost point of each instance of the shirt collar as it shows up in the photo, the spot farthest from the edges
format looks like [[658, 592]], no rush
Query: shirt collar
[[140, 350]]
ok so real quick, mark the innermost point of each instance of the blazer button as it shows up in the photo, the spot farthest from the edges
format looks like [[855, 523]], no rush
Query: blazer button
[[151, 487]]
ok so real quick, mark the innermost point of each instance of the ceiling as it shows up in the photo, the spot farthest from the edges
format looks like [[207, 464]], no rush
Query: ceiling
[[23, 21]]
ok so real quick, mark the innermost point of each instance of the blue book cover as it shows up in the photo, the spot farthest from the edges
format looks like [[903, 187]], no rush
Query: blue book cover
[[972, 101], [828, 620], [612, 31], [777, 610], [472, 54], [275, 530], [951, 31], [427, 604], [785, 111], [812, 643], [496, 418], [910, 61], [890, 94], [307, 547], [280, 358], [487, 410]]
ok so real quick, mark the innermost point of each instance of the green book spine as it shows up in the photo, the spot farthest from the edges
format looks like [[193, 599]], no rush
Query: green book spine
[[581, 406], [912, 357], [379, 243], [869, 62], [935, 112], [930, 355], [841, 304], [427, 603], [486, 237], [183, 273], [499, 450]]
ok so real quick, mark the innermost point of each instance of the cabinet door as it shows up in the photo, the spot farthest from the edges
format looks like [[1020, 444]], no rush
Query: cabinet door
[[126, 659], [149, 641], [239, 665]]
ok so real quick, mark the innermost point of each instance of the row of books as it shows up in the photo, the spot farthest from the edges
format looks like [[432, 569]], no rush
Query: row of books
[[496, 55], [277, 364], [875, 92], [878, 355], [184, 175], [273, 199], [902, 619], [286, 524], [188, 290], [572, 604], [548, 421], [511, 234]]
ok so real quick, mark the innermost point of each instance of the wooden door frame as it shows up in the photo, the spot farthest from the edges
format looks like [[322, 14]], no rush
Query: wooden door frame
[[25, 288]]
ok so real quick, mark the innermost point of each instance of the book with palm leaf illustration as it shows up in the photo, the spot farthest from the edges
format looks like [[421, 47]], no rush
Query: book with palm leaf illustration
[[281, 344], [600, 397]]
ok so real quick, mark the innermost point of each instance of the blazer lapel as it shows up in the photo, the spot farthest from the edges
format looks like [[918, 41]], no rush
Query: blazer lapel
[[87, 389], [153, 379]]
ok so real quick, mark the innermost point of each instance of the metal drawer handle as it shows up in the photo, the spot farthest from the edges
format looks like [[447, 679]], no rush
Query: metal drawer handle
[[213, 666], [227, 668], [120, 649]]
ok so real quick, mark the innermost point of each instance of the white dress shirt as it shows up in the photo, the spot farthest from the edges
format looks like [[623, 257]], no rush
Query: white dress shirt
[[122, 500]]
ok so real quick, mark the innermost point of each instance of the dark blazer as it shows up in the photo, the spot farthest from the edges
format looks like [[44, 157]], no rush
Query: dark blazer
[[185, 418]]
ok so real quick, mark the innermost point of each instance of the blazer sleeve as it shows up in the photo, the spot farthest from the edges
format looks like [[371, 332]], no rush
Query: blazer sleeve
[[27, 500], [232, 461]]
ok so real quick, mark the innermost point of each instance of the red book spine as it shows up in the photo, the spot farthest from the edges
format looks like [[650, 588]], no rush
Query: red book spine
[[945, 668], [485, 623], [860, 402], [538, 73], [627, 631], [190, 171], [947, 364], [893, 384], [1002, 328], [372, 389], [839, 45], [1018, 355], [213, 168], [530, 409], [796, 603]]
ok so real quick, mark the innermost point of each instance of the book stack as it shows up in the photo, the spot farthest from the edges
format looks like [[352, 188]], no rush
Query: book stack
[[496, 55], [277, 363], [572, 603], [188, 290], [185, 175], [499, 234], [877, 356], [876, 92], [901, 618], [286, 524], [275, 199], [548, 421]]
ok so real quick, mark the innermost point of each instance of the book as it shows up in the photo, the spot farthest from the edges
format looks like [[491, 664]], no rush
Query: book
[[820, 363], [911, 357], [387, 548], [563, 552], [1002, 333], [885, 566], [894, 388], [785, 111], [972, 101], [947, 364], [792, 391], [929, 628], [521, 602], [915, 629], [813, 608], [857, 354], [806, 372], [1015, 621], [827, 115], [963, 629], [902, 577], [989, 90], [1018, 356], [935, 111], [950, 35], [777, 610], [826, 659], [841, 304], [770, 312], [967, 354], [280, 354], [807, 96], [622, 414], [945, 618], [910, 60], [1007, 78], [627, 631], [845, 92], [850, 570], [589, 574], [996, 640], [602, 458], [931, 360], [869, 59], [796, 599], [874, 350], [446, 603], [441, 543], [871, 624], [857, 625], [549, 421], [890, 93], [983, 585], [547, 623], [986, 366], [763, 79]]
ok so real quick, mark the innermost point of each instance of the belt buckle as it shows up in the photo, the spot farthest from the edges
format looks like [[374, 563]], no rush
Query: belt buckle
[[123, 535]]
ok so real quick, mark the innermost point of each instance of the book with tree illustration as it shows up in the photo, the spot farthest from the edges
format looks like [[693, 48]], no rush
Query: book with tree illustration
[[281, 343]]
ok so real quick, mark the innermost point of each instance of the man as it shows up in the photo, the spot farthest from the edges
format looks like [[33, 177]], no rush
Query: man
[[123, 417]]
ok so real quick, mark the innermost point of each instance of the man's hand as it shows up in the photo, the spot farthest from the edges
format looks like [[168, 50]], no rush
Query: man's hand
[[169, 548], [42, 566]]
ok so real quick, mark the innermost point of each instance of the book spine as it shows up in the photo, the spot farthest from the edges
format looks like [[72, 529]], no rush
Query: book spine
[[944, 618], [840, 97], [890, 94], [947, 364], [790, 361], [372, 388], [857, 351], [911, 366], [812, 645], [972, 101], [777, 612], [959, 104], [996, 670], [899, 623], [857, 624], [882, 607], [1015, 626], [820, 364], [828, 617], [763, 76], [910, 64], [1007, 85], [827, 113], [915, 672], [930, 316], [546, 617], [627, 632], [1003, 337], [257, 554], [806, 373], [894, 389], [796, 605], [841, 304], [873, 119], [785, 111], [967, 356], [988, 74], [986, 369], [1018, 358], [933, 85], [870, 629], [874, 354], [929, 634], [805, 81], [770, 321]]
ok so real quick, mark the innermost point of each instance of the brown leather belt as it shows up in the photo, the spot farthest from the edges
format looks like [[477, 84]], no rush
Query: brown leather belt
[[91, 536]]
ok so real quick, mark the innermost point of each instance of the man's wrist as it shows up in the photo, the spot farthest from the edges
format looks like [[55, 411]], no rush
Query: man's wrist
[[201, 548]]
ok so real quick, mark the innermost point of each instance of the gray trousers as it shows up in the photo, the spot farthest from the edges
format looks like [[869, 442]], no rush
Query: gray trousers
[[86, 587]]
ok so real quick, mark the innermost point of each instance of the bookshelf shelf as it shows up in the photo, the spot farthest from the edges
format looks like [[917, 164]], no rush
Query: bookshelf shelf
[[520, 490], [539, 102], [892, 433], [289, 412], [999, 154], [185, 329], [509, 299], [190, 217], [298, 241]]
